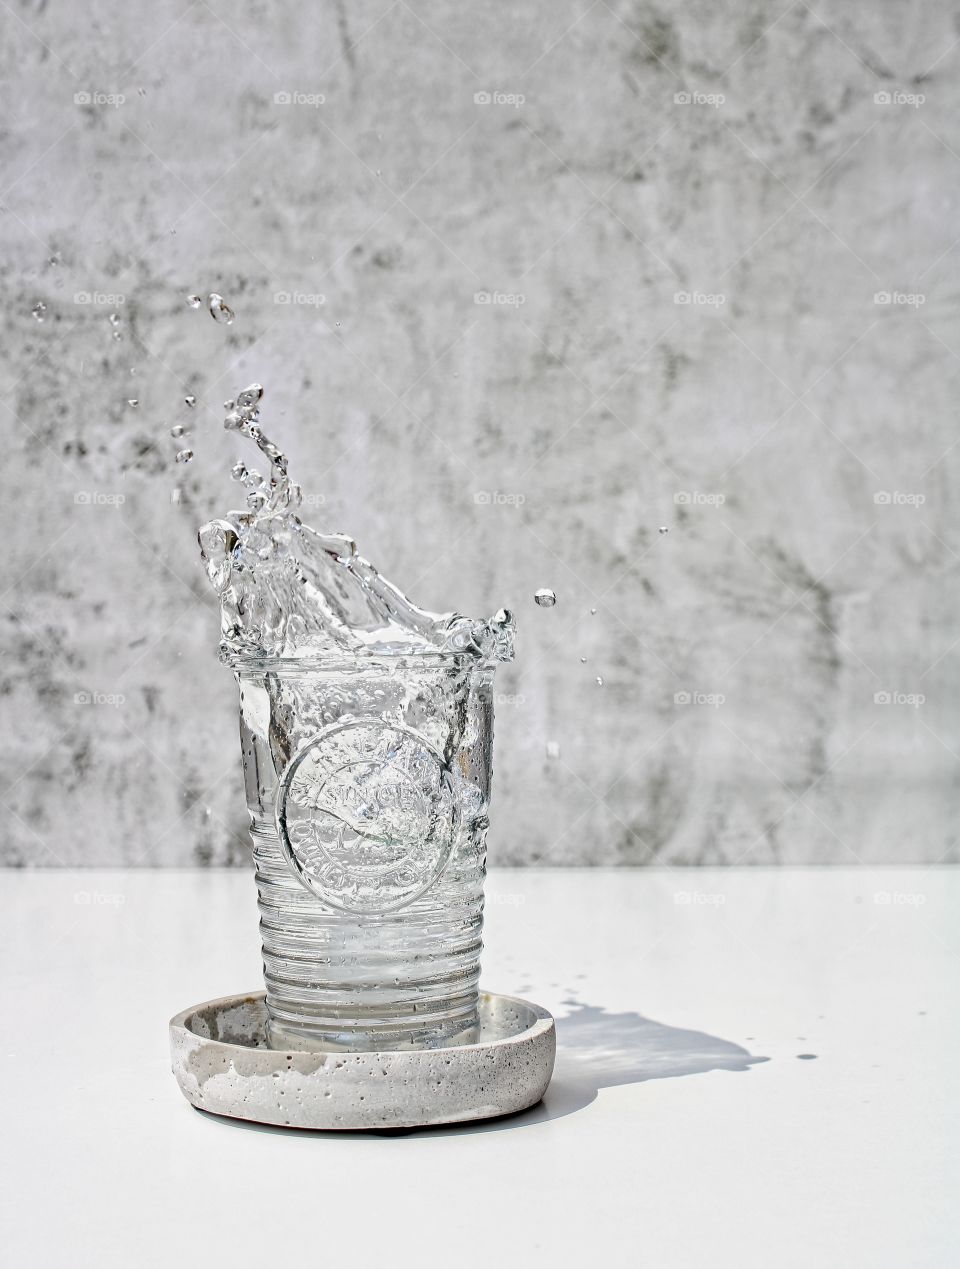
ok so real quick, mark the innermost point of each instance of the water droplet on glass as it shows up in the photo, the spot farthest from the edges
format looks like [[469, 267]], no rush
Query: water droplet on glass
[[553, 749], [185, 456], [663, 529], [39, 310], [599, 681], [249, 398], [220, 310], [194, 300], [176, 430], [191, 401], [133, 402], [545, 598]]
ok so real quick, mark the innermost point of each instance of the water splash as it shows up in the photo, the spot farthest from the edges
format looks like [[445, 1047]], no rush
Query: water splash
[[289, 591], [220, 310]]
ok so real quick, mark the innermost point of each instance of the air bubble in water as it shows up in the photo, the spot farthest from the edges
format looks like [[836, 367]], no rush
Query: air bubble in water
[[185, 456], [191, 401], [545, 598], [39, 310], [220, 310], [194, 300], [176, 430]]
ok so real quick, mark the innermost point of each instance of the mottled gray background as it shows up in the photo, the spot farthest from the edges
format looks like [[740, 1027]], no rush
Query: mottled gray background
[[796, 436]]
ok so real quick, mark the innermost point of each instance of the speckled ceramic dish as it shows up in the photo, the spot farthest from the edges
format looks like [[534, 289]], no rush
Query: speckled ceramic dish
[[222, 1064]]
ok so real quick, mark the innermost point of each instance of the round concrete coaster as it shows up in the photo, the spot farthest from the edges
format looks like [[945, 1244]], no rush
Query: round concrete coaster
[[222, 1064]]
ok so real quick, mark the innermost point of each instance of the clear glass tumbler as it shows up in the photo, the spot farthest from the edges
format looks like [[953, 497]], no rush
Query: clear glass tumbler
[[368, 783]]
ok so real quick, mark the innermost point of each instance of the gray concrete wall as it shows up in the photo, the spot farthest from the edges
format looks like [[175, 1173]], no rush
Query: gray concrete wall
[[777, 167]]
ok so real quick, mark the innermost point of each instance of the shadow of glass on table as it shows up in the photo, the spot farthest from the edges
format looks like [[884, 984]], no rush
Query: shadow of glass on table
[[598, 1049]]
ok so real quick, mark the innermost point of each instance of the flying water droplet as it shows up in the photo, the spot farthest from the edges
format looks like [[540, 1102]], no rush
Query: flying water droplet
[[664, 529], [238, 471], [176, 430], [249, 398], [220, 310], [233, 422], [39, 310], [133, 402], [230, 404], [553, 749], [583, 660], [174, 495], [599, 681], [185, 456], [191, 401], [545, 598], [194, 300], [114, 319], [593, 612]]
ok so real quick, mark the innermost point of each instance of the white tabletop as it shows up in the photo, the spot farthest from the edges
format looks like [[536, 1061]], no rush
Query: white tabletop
[[683, 1127]]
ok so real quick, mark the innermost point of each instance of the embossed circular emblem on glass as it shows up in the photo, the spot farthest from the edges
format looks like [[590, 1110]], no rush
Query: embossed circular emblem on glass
[[367, 816]]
